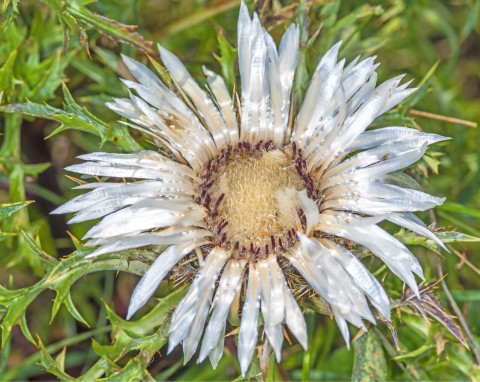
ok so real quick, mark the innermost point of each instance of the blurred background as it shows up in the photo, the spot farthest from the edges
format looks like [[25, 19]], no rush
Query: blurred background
[[59, 64]]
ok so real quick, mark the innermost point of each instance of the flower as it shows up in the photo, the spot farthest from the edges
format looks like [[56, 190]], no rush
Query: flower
[[258, 194]]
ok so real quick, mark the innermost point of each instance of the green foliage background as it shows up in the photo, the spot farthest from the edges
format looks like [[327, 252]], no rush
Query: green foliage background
[[60, 62]]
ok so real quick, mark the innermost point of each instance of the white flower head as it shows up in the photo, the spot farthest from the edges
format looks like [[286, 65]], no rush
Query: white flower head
[[256, 190]]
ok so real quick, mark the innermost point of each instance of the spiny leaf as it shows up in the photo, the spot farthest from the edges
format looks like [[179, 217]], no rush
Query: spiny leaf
[[62, 292], [60, 359], [75, 117], [51, 70], [53, 366], [370, 363], [15, 310], [34, 169], [147, 334], [67, 119], [429, 306], [25, 329], [456, 237], [134, 370], [411, 238], [8, 209], [72, 309], [111, 28], [63, 275], [148, 322], [46, 260]]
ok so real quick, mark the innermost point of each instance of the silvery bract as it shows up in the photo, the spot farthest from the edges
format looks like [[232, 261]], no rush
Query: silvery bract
[[258, 194]]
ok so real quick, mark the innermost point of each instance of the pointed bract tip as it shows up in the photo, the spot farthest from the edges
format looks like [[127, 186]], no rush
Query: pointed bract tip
[[165, 54], [130, 313], [303, 343], [214, 363], [186, 358], [201, 357], [337, 46], [128, 61], [93, 255], [171, 346], [243, 7], [56, 211]]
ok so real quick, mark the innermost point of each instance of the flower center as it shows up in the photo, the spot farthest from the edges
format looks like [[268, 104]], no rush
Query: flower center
[[251, 193]]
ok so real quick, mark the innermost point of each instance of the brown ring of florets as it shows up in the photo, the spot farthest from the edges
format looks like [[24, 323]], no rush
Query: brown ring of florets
[[207, 194]]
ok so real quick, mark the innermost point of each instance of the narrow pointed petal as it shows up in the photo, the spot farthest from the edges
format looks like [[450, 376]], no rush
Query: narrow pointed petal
[[277, 301], [148, 214], [325, 81], [229, 283], [294, 318], [200, 291], [414, 224], [157, 271], [273, 330], [217, 352], [393, 253], [225, 103], [247, 338], [200, 98], [137, 240], [388, 135], [362, 278]]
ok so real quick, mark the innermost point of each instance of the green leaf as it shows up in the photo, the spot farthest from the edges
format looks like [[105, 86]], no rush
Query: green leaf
[[47, 261], [456, 237], [364, 11], [62, 292], [272, 369], [148, 322], [73, 310], [9, 209], [460, 224], [67, 119], [51, 70], [429, 306], [422, 87], [60, 359], [135, 370], [6, 74], [466, 295], [60, 277], [53, 366], [8, 12], [411, 238], [228, 55], [25, 330], [111, 28], [34, 169], [460, 208], [370, 363], [77, 118], [15, 310], [433, 163], [416, 353]]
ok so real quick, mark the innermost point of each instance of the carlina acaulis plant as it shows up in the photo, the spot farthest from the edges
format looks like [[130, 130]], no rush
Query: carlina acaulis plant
[[257, 193]]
